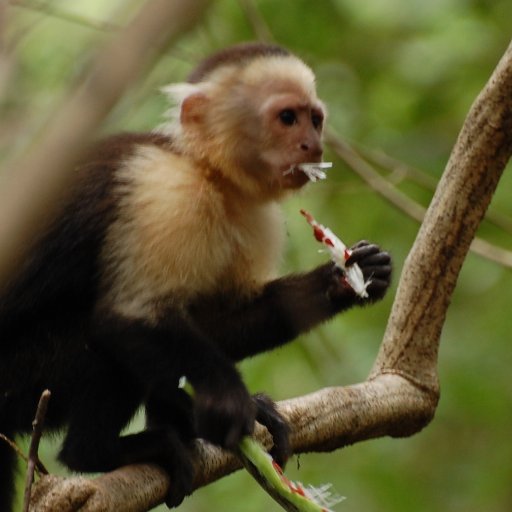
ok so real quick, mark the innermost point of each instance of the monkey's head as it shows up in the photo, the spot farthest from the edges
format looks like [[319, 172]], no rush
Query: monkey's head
[[251, 114]]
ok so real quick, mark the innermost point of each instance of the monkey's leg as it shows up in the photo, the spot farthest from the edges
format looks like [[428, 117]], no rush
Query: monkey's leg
[[165, 448], [93, 444], [157, 355], [171, 409], [99, 412], [268, 416]]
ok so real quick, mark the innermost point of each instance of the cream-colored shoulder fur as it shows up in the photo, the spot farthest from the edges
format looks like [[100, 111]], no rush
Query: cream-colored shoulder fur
[[179, 235]]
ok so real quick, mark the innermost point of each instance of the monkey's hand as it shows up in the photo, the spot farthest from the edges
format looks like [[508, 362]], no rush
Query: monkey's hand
[[269, 416], [376, 267], [224, 415]]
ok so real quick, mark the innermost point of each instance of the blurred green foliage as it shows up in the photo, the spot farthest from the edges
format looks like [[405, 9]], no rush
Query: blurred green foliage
[[398, 76]]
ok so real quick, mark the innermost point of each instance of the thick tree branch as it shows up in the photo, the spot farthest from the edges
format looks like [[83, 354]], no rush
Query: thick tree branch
[[430, 273]]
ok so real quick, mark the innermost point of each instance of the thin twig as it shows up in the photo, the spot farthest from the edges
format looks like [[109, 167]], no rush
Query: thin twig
[[403, 202], [40, 468], [372, 178], [256, 20], [400, 170], [397, 167], [14, 446], [33, 457]]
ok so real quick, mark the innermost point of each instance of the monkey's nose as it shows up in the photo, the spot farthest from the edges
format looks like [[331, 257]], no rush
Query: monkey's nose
[[314, 149]]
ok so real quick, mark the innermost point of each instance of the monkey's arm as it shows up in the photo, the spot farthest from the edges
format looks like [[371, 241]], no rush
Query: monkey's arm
[[159, 355], [294, 304]]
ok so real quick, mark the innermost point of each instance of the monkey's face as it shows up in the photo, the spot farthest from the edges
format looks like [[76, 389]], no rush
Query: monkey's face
[[256, 125], [291, 135]]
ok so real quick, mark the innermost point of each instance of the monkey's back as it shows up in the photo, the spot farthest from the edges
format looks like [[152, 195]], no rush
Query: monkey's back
[[46, 307]]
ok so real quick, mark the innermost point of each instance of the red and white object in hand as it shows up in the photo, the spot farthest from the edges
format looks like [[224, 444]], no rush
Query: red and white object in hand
[[353, 274]]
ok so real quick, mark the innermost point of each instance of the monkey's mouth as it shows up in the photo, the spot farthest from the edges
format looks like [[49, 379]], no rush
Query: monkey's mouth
[[313, 170]]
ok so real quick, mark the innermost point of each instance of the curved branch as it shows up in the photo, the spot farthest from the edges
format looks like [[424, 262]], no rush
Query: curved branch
[[322, 421], [463, 194]]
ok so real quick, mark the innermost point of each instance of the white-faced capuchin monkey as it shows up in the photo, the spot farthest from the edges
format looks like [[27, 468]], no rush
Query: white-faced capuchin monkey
[[162, 264]]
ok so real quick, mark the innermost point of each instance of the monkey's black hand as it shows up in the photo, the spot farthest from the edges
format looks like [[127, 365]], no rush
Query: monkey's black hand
[[223, 418], [376, 266], [268, 416]]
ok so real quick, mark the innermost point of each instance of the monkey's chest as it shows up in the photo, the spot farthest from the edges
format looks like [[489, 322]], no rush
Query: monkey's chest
[[176, 260]]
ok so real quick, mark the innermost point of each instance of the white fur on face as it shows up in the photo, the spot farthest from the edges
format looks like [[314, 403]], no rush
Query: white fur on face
[[261, 79]]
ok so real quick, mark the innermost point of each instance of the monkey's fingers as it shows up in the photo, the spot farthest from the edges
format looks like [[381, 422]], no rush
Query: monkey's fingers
[[268, 415], [380, 259], [361, 243], [382, 273], [362, 251], [175, 458], [235, 433], [224, 419], [377, 288], [225, 431]]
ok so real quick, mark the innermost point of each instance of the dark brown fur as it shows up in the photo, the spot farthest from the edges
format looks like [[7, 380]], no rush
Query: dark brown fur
[[235, 55]]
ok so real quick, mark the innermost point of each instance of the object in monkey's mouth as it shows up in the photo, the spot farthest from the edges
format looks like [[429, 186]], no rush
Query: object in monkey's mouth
[[339, 254], [314, 170]]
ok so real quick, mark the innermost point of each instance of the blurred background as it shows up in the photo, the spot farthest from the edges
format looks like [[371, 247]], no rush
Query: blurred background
[[398, 77]]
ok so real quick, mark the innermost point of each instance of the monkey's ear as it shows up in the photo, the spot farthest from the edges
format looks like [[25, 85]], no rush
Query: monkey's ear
[[193, 108], [189, 102]]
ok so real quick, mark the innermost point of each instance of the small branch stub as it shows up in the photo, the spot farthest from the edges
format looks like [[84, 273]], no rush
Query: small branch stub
[[33, 457]]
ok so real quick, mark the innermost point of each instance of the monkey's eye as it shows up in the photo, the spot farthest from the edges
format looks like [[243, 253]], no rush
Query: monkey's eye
[[287, 117], [317, 120]]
